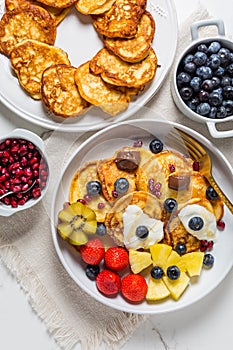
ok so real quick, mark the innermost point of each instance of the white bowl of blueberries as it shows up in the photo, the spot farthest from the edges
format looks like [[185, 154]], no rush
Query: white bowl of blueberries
[[202, 84]]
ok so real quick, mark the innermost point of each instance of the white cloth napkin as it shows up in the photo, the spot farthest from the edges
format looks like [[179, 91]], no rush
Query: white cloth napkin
[[26, 246]]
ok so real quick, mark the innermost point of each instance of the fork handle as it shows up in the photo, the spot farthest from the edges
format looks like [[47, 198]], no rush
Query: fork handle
[[220, 193]]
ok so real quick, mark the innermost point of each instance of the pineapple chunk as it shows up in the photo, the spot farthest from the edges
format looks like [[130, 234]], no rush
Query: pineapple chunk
[[177, 287], [193, 262], [160, 253], [157, 290], [175, 259], [139, 260]]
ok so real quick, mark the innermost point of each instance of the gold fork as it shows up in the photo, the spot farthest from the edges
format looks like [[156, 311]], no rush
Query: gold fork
[[182, 140]]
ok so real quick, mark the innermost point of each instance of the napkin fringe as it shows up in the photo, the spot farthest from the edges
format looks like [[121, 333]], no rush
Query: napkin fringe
[[117, 332]]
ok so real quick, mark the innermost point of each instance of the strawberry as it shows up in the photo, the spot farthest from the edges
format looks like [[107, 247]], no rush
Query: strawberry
[[93, 252], [108, 282], [116, 258], [134, 287]]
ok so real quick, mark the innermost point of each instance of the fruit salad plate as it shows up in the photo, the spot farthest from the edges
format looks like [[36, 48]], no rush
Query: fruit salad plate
[[77, 37], [101, 146]]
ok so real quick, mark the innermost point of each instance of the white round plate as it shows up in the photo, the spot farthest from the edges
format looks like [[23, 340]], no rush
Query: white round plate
[[102, 145], [77, 37]]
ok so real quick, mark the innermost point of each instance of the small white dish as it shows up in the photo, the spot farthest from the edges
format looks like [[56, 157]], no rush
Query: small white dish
[[7, 210], [196, 40]]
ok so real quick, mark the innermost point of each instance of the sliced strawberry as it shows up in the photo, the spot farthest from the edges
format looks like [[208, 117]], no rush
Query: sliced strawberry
[[116, 258], [108, 282], [93, 252], [134, 287]]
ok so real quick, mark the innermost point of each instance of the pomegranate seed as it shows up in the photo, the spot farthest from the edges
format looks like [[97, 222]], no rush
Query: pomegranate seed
[[6, 154], [31, 146], [15, 181], [101, 205], [24, 187], [18, 172], [171, 168], [16, 188], [35, 166], [157, 194], [43, 184], [158, 185], [1, 191], [8, 142], [35, 173], [138, 143], [44, 172], [81, 200], [7, 185], [22, 201], [2, 146], [16, 165], [3, 178], [87, 198], [23, 150], [23, 179], [24, 161], [4, 160], [11, 160], [202, 248], [114, 194], [27, 172], [14, 203], [33, 160], [221, 225], [29, 155], [65, 205], [210, 245], [204, 243], [36, 192], [151, 185], [15, 148], [19, 195], [6, 201], [196, 166]]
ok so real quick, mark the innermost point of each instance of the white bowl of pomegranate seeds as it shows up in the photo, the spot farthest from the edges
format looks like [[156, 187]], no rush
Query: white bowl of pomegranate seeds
[[24, 171], [202, 84]]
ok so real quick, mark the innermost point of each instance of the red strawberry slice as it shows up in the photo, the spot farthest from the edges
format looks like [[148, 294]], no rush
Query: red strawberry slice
[[134, 287], [116, 258], [108, 282], [93, 252]]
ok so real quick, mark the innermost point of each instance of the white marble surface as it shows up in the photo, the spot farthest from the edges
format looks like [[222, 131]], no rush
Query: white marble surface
[[204, 325]]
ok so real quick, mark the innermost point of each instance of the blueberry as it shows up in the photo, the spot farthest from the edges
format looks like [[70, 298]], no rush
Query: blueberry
[[92, 271], [227, 92], [156, 146], [203, 96], [220, 72], [183, 78], [196, 223], [101, 229], [204, 72], [228, 104], [195, 83], [121, 185], [211, 193], [214, 47], [229, 70], [200, 58], [157, 272], [225, 81], [187, 59], [214, 61], [142, 232], [173, 272], [170, 205], [203, 108], [216, 82], [231, 57], [192, 104], [190, 67], [224, 55], [181, 248], [208, 260], [221, 112], [212, 113], [207, 85], [93, 188], [202, 48], [215, 98], [186, 93]]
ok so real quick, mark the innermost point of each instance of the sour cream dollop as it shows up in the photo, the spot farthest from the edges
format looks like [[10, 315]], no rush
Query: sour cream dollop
[[209, 229], [134, 217]]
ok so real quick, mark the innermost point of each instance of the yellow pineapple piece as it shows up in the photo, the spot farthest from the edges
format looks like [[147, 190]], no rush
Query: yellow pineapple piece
[[157, 290], [177, 287], [139, 260], [160, 253], [175, 259], [193, 262]]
